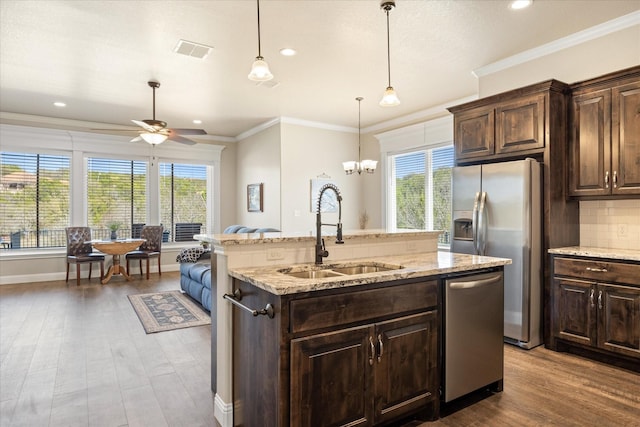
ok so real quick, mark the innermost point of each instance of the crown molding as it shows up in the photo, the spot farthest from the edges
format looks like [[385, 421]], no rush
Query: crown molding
[[574, 39]]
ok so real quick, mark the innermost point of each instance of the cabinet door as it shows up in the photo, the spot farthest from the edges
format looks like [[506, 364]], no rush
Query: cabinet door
[[331, 378], [574, 311], [590, 149], [625, 138], [474, 133], [619, 319], [520, 125], [406, 376]]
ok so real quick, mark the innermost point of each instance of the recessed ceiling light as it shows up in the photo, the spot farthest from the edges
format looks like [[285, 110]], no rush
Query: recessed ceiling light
[[287, 51], [520, 4], [59, 104], [197, 122]]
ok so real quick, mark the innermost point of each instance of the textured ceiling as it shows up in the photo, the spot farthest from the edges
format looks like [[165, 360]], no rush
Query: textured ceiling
[[97, 56]]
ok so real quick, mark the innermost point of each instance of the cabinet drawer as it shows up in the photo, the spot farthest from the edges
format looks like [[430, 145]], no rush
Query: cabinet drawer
[[596, 270], [333, 310]]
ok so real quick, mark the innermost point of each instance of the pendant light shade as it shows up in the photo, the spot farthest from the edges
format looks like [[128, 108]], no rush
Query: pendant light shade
[[352, 166], [260, 69], [389, 99]]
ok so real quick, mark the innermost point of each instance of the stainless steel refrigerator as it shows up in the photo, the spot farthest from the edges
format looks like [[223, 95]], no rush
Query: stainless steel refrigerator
[[497, 211]]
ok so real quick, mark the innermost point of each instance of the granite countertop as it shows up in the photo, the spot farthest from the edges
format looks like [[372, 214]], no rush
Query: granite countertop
[[288, 237], [593, 252], [271, 279]]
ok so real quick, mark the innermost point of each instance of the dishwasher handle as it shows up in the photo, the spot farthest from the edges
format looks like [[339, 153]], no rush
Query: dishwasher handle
[[475, 283]]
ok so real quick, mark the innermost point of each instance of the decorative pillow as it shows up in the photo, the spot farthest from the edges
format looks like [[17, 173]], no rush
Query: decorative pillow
[[190, 254]]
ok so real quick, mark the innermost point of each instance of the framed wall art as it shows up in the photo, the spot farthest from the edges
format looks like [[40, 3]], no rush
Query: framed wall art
[[254, 197], [329, 199]]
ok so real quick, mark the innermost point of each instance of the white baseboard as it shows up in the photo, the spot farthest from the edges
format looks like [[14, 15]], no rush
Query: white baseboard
[[223, 412]]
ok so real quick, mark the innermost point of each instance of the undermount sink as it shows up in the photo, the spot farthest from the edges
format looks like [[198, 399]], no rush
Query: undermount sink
[[320, 272], [313, 274], [363, 269]]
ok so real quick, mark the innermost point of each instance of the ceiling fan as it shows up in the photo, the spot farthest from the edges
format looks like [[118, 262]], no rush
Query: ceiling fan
[[156, 132]]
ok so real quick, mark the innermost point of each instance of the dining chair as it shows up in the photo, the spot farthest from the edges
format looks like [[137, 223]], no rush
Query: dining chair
[[151, 248], [81, 252]]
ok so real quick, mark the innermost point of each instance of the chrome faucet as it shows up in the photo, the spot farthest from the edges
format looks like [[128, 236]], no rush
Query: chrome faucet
[[321, 251]]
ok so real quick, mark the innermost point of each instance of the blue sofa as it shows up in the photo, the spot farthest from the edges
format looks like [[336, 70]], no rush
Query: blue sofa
[[196, 267]]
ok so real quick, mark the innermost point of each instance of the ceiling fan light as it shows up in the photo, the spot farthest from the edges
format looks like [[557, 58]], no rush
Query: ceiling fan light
[[153, 138], [260, 70], [389, 99], [369, 166]]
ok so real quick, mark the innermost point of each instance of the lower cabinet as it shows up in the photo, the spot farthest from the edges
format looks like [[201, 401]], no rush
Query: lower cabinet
[[596, 304], [355, 356], [365, 375]]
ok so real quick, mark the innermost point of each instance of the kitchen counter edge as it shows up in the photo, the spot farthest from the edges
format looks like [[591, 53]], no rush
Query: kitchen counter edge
[[594, 252], [418, 265]]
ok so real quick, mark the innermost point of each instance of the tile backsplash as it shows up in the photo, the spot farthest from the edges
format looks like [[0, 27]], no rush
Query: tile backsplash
[[610, 224]]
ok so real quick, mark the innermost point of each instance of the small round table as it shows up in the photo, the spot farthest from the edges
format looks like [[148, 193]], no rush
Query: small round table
[[115, 248]]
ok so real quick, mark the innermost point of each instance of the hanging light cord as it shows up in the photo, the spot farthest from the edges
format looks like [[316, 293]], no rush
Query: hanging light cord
[[359, 99], [387, 8], [259, 52]]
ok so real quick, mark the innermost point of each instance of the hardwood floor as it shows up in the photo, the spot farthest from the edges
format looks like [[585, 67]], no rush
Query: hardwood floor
[[78, 356]]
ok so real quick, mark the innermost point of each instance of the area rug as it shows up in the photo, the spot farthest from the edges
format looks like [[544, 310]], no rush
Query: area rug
[[166, 311]]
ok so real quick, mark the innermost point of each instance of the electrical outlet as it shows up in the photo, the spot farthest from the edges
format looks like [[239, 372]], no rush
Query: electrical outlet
[[622, 230], [274, 254]]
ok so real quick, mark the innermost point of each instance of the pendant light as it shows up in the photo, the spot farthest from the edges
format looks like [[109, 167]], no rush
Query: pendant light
[[260, 69], [351, 166], [389, 99]]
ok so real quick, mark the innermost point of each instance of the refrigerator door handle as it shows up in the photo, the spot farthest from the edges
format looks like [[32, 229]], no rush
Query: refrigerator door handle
[[474, 222], [482, 224]]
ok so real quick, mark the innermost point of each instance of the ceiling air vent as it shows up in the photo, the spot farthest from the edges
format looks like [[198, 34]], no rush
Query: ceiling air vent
[[196, 50]]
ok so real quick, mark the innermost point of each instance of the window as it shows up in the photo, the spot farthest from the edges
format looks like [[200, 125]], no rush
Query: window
[[183, 199], [116, 194], [420, 190], [34, 200]]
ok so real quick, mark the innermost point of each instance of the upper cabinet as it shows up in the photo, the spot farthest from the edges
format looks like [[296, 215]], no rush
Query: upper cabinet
[[604, 145], [508, 125]]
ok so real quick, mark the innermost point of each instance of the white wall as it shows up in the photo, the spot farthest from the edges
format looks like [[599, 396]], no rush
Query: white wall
[[308, 152], [258, 161]]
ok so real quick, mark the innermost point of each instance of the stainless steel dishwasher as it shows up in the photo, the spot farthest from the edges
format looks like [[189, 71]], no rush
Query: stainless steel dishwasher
[[473, 323]]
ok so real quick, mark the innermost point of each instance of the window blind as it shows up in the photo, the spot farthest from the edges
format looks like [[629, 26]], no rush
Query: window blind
[[183, 196], [116, 194], [34, 200]]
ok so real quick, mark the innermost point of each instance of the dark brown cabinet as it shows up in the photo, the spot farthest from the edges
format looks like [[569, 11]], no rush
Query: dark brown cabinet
[[356, 356], [365, 375], [605, 137], [597, 305], [512, 124]]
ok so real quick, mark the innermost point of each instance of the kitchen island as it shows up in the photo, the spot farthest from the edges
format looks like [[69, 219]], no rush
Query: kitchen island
[[359, 347]]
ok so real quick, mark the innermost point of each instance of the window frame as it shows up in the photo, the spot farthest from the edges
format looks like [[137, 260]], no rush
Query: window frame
[[80, 145]]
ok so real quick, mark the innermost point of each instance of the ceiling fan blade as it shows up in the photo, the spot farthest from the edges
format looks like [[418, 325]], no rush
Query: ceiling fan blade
[[144, 126], [136, 139], [189, 131], [117, 130], [180, 139]]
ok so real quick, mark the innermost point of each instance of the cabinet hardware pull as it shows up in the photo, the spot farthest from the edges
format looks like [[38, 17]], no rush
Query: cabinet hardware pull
[[381, 348], [597, 270], [234, 299], [593, 291], [606, 179], [615, 179], [373, 351], [600, 300]]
